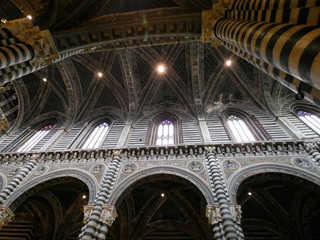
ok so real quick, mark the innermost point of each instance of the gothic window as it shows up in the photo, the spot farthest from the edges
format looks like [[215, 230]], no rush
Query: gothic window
[[35, 139], [312, 120], [239, 129], [165, 133], [97, 136]]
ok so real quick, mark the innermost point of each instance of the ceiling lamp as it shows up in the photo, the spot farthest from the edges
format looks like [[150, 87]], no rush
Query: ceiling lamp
[[161, 68]]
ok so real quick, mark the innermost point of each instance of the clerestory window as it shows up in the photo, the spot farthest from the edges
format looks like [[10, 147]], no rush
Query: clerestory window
[[165, 133], [97, 136], [239, 129], [35, 139], [312, 120]]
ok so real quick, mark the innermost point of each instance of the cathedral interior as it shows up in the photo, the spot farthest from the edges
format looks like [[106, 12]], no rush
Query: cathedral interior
[[153, 120]]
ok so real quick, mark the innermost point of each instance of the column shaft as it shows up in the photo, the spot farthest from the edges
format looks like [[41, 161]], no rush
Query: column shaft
[[95, 228], [217, 182], [15, 54], [293, 49], [15, 182], [272, 4]]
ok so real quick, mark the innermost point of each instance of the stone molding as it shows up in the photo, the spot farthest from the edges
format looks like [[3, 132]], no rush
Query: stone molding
[[6, 216], [180, 152]]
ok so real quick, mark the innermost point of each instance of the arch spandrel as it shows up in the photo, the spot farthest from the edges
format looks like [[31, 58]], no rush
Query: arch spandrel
[[84, 176], [242, 174], [122, 186]]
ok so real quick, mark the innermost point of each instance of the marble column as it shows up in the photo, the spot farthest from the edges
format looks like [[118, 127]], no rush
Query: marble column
[[100, 216]]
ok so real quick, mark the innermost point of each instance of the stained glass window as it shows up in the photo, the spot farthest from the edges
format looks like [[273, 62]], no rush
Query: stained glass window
[[311, 120], [165, 133], [97, 136], [35, 139], [239, 129]]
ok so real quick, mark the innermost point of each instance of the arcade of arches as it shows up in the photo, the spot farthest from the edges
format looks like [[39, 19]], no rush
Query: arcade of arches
[[152, 120]]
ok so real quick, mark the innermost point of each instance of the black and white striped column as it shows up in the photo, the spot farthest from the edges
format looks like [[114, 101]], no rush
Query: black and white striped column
[[15, 54], [280, 36], [16, 181], [230, 231], [315, 154], [102, 215]]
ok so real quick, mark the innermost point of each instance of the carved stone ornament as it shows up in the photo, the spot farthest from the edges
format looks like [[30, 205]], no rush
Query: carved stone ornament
[[236, 212], [40, 170], [301, 162], [213, 214], [231, 165], [210, 18], [108, 214], [6, 216], [4, 126], [87, 210], [97, 169], [41, 41], [195, 166], [129, 168], [116, 153]]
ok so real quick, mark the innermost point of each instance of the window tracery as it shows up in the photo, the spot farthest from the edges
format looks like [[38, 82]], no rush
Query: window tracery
[[239, 129], [311, 119], [35, 139], [97, 136], [165, 133]]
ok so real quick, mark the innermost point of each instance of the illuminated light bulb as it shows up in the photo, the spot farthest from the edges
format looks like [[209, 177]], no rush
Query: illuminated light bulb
[[228, 63], [250, 193], [161, 69], [162, 194], [44, 79], [84, 196], [100, 74], [29, 17]]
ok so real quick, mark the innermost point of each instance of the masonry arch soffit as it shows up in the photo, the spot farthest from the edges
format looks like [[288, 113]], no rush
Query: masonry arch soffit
[[190, 177], [81, 175], [238, 177]]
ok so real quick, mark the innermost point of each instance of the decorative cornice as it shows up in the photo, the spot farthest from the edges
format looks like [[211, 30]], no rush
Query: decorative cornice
[[118, 35], [167, 152]]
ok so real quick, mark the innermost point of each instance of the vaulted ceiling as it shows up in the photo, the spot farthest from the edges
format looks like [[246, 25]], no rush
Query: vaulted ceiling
[[196, 81]]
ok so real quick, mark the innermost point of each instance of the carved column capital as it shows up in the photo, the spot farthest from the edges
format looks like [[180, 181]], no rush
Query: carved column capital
[[35, 157], [108, 214], [87, 210], [41, 41], [210, 150], [213, 214], [116, 153], [6, 216], [236, 212], [210, 18]]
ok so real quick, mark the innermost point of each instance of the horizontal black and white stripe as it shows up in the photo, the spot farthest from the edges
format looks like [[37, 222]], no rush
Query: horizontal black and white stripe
[[94, 228], [230, 231], [15, 182]]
